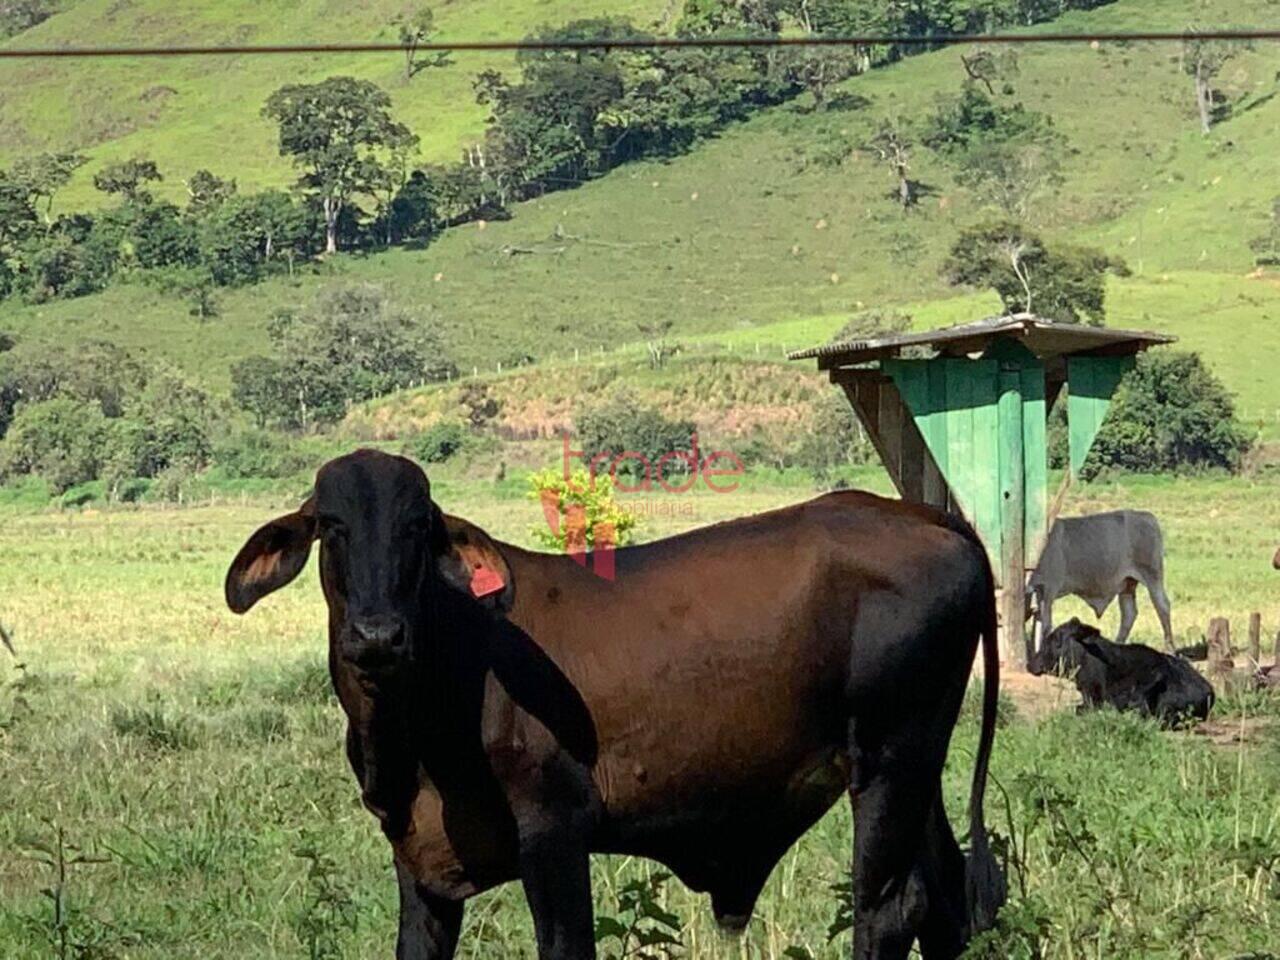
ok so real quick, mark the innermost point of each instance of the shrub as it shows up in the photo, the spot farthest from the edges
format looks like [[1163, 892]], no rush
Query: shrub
[[560, 495], [620, 425], [257, 453], [438, 443], [60, 440], [1169, 414], [834, 438]]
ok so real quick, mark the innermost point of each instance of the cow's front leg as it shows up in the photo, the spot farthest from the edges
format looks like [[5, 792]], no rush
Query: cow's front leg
[[429, 924], [556, 874]]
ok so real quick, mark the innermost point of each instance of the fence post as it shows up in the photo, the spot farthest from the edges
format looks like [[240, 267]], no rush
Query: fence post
[[1220, 645], [1255, 639]]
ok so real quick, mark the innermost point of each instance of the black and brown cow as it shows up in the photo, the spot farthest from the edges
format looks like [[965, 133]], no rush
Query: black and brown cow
[[703, 709]]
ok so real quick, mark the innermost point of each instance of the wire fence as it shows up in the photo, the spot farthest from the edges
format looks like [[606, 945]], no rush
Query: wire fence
[[648, 43]]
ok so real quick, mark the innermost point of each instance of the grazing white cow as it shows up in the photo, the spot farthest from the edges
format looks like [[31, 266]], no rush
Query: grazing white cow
[[1098, 558]]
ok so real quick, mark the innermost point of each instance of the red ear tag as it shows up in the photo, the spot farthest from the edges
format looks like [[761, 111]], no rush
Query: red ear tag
[[486, 582]]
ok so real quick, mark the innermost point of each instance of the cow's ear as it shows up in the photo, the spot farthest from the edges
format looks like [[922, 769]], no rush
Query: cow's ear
[[470, 561], [272, 557]]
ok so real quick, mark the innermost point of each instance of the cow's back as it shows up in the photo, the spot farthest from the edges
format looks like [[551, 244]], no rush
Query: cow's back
[[1092, 556]]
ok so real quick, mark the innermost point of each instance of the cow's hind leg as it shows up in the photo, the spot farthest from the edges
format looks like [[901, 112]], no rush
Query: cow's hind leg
[[942, 937], [891, 807], [1160, 600], [1128, 609], [429, 924]]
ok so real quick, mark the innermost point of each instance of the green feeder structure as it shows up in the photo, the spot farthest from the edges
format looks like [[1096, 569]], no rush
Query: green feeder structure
[[958, 417]]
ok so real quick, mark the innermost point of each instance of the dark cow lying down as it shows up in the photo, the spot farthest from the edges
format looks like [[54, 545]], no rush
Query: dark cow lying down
[[704, 709], [1126, 676]]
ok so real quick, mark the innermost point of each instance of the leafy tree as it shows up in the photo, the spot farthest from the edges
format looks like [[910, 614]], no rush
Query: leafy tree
[[415, 27], [1203, 61], [45, 174], [1266, 246], [1014, 175], [245, 237], [415, 212], [260, 387], [128, 179], [336, 131], [869, 324], [974, 116], [1059, 281], [439, 442], [206, 192], [167, 425], [94, 373], [60, 440], [1170, 414], [352, 346], [196, 285], [622, 424]]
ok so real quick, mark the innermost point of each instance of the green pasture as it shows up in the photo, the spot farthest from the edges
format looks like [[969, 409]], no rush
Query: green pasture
[[193, 759]]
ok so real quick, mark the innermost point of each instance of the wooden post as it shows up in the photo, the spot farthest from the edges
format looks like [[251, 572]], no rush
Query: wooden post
[[1255, 639], [1012, 518], [1220, 646], [1275, 652]]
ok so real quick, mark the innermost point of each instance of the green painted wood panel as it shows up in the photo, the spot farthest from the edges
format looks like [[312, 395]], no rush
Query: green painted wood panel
[[1035, 470], [1012, 490], [1091, 381], [986, 454]]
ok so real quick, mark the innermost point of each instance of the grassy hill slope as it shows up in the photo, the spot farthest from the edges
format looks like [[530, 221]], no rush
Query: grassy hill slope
[[749, 241], [193, 112]]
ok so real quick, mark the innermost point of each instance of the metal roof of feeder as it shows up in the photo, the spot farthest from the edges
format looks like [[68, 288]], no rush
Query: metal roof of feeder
[[1044, 338]]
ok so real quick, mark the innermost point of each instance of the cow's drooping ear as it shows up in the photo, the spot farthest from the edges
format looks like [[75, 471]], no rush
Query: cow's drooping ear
[[274, 555], [469, 560]]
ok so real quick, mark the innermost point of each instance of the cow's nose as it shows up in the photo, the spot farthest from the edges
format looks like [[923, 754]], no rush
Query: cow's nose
[[377, 636]]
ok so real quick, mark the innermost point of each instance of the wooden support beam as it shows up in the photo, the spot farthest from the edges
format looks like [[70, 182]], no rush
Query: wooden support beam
[[1012, 493]]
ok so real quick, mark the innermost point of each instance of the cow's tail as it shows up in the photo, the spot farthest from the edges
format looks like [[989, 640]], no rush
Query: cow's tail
[[984, 881]]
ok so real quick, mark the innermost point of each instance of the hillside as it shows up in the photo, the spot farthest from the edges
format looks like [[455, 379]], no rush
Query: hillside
[[184, 112], [752, 239]]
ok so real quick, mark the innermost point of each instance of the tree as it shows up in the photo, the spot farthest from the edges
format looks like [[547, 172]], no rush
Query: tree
[[335, 131], [352, 345], [1170, 414], [60, 440], [45, 174], [128, 179], [1203, 60], [206, 192], [1013, 175], [1266, 246], [892, 145], [416, 26], [1061, 282]]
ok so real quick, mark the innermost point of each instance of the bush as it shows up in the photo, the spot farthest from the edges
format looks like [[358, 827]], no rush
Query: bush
[[438, 443], [60, 440], [620, 425], [257, 453], [1169, 414]]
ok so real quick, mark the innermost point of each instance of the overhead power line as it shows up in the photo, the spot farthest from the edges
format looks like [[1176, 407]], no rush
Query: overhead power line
[[638, 43]]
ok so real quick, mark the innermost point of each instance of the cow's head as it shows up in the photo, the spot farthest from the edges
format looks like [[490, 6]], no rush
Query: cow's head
[[386, 551], [1063, 652]]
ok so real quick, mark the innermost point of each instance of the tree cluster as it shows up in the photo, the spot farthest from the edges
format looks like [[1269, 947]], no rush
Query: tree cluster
[[351, 346], [95, 412]]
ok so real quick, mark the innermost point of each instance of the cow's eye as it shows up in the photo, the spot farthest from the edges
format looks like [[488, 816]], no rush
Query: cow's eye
[[331, 527]]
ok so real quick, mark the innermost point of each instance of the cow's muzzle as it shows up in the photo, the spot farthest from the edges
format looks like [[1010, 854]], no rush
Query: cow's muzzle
[[376, 642]]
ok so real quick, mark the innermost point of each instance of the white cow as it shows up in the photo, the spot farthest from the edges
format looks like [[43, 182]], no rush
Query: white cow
[[1099, 558]]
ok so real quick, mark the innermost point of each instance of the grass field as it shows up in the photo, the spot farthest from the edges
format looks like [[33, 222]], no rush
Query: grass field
[[195, 759]]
